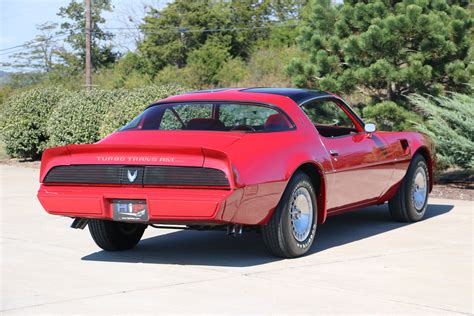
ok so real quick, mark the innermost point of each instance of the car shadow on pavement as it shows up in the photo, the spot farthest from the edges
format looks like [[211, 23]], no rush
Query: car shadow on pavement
[[214, 248]]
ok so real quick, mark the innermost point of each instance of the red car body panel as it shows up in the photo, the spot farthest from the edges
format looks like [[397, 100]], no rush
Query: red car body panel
[[367, 170]]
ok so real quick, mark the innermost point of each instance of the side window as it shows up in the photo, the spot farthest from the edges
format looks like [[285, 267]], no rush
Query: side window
[[329, 119]]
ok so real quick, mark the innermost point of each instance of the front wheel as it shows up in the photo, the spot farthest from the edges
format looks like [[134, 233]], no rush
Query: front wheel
[[410, 202], [113, 236], [291, 230]]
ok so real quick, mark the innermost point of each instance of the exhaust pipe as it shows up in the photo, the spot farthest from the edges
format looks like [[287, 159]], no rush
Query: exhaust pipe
[[234, 230], [79, 223]]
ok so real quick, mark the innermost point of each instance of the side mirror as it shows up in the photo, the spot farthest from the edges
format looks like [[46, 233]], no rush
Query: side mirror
[[370, 128]]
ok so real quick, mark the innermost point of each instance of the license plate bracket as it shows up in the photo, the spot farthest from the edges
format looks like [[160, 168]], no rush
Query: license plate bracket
[[129, 210]]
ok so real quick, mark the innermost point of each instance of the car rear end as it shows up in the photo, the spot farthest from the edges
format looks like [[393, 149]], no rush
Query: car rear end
[[160, 184], [168, 165]]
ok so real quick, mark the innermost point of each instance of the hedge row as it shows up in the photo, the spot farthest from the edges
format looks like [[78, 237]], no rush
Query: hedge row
[[24, 120], [41, 118]]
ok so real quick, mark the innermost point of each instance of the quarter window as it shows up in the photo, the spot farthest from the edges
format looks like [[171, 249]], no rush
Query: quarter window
[[329, 118]]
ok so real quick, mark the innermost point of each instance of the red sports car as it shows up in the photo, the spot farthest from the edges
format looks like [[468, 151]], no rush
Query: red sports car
[[276, 160]]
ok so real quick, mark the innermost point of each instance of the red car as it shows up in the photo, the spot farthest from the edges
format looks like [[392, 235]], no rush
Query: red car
[[276, 160]]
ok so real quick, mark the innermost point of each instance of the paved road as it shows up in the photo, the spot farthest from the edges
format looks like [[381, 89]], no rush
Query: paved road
[[362, 263]]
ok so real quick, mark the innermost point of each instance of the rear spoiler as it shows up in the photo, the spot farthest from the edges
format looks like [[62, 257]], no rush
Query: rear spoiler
[[136, 155]]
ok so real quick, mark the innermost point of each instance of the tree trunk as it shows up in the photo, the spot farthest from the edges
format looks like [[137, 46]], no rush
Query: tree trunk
[[389, 91]]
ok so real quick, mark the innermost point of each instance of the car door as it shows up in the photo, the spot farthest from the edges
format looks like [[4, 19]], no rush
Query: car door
[[361, 162]]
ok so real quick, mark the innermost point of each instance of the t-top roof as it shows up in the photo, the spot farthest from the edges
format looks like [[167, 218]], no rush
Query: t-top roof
[[297, 95]]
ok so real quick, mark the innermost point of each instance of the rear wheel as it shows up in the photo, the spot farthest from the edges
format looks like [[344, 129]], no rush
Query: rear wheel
[[291, 230], [410, 202], [112, 236]]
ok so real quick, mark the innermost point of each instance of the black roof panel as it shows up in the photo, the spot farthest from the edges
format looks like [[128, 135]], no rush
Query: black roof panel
[[297, 95]]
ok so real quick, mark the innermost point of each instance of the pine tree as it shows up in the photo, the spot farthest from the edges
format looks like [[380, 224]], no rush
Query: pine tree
[[74, 26], [386, 49]]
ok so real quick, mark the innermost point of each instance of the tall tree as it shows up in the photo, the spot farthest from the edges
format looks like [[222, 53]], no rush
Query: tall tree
[[101, 51], [171, 33], [386, 48]]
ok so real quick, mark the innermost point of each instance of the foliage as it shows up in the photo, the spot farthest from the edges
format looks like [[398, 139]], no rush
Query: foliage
[[174, 75], [206, 62], [451, 125], [78, 117], [124, 74], [23, 121], [390, 117], [266, 66], [385, 48], [171, 34], [231, 72], [40, 118], [131, 104], [166, 37], [102, 53]]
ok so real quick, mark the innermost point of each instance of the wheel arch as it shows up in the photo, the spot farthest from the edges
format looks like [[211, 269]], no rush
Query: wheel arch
[[318, 180], [426, 154]]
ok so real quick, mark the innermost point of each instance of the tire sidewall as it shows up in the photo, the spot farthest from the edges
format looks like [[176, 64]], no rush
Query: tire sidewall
[[412, 212], [109, 236], [298, 248]]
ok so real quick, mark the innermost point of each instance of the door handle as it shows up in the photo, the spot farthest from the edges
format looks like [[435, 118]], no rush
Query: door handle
[[334, 153]]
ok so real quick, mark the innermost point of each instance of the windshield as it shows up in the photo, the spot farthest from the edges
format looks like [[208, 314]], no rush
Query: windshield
[[242, 117]]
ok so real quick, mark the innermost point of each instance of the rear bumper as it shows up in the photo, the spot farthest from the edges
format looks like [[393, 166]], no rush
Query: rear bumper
[[165, 205]]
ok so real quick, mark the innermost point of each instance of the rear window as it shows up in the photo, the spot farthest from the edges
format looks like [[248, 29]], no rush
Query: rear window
[[241, 117]]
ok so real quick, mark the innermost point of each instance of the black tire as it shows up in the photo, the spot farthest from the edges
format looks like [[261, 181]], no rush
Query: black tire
[[402, 206], [113, 236], [278, 234]]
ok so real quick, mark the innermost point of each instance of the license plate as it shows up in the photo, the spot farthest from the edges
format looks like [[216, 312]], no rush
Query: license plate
[[130, 210]]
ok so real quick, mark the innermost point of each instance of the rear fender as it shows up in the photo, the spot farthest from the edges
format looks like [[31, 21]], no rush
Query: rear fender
[[319, 181], [417, 143], [423, 145], [314, 170]]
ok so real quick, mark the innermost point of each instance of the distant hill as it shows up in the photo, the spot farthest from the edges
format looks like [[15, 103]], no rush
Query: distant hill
[[4, 77]]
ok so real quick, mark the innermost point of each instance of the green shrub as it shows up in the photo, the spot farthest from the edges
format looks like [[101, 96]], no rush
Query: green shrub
[[175, 76], [206, 62], [77, 119], [131, 104], [24, 118], [266, 66], [390, 117], [451, 126], [232, 72]]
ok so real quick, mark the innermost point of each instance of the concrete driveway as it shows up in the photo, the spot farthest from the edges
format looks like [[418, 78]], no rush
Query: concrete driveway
[[362, 262]]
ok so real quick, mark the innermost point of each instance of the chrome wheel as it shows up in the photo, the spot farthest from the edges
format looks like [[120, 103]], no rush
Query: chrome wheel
[[301, 214], [419, 189]]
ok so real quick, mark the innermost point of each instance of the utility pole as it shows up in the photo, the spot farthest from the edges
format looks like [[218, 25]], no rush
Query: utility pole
[[88, 46]]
